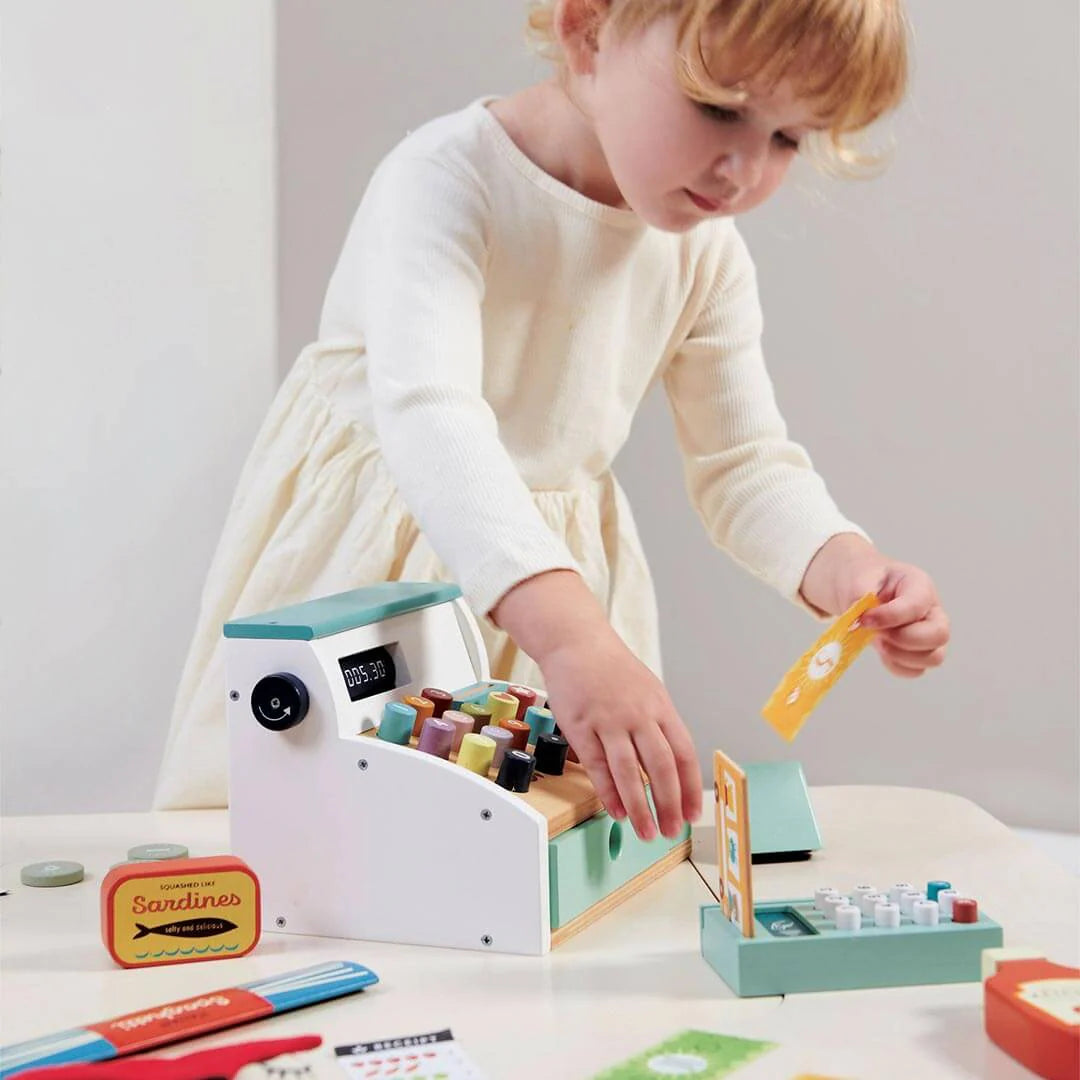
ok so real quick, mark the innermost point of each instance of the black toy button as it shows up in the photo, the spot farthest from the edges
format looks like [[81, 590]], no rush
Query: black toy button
[[279, 701], [551, 754], [515, 772]]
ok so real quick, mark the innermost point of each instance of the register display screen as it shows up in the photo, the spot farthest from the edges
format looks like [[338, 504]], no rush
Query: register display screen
[[373, 671]]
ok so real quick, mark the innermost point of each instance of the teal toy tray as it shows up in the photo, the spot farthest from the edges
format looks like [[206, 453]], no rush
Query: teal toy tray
[[796, 949], [476, 693]]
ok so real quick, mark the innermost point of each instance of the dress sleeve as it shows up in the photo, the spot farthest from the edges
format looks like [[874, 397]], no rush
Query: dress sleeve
[[755, 490], [415, 262]]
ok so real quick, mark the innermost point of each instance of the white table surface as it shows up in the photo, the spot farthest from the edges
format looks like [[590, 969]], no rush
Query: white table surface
[[629, 981]]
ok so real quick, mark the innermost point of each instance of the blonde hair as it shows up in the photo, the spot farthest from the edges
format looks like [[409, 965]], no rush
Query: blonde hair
[[848, 57]]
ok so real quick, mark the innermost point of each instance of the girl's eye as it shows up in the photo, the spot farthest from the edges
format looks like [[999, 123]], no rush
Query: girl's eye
[[726, 115], [719, 112]]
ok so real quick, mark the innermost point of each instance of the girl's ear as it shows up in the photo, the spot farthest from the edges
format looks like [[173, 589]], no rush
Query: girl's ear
[[577, 27]]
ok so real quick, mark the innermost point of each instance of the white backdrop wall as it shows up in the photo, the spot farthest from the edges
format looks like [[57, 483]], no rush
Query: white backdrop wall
[[138, 334], [921, 331]]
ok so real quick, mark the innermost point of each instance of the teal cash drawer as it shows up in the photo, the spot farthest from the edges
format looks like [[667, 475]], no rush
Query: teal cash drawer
[[593, 859]]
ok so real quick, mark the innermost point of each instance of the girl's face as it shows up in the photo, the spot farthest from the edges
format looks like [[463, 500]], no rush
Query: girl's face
[[676, 161]]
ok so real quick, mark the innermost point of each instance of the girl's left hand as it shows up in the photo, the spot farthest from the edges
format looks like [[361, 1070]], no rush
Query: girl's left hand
[[913, 628]]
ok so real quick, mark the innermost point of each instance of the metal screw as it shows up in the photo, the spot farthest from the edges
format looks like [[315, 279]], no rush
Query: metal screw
[[486, 939], [362, 764], [485, 814], [234, 695], [280, 921]]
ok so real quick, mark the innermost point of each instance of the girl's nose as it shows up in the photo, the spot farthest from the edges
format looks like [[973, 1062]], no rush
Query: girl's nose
[[742, 165]]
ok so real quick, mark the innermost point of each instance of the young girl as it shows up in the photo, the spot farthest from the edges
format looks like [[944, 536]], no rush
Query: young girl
[[517, 276]]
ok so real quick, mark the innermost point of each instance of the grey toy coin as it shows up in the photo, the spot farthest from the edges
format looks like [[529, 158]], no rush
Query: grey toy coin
[[156, 852], [46, 875]]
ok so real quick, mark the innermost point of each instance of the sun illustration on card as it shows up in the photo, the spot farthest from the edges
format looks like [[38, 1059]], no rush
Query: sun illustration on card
[[817, 670]]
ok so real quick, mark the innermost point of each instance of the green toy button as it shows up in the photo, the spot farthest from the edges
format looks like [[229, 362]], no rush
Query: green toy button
[[155, 852], [51, 874]]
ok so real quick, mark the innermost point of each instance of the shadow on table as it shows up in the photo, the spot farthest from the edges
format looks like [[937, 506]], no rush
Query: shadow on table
[[672, 975], [956, 1035], [93, 956]]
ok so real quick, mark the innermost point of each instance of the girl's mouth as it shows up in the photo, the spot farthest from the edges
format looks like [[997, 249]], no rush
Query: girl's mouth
[[710, 206]]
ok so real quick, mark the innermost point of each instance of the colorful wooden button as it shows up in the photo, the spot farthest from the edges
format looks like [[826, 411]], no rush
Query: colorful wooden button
[[551, 754], [424, 708], [502, 706], [540, 721], [525, 698], [965, 910], [519, 732], [436, 737], [502, 739], [463, 725], [441, 699], [476, 753], [397, 724], [481, 715], [516, 771]]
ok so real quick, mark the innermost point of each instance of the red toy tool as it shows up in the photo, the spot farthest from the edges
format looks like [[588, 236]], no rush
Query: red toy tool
[[221, 1063]]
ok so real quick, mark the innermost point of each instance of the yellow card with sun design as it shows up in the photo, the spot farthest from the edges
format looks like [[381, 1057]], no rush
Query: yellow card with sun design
[[811, 678]]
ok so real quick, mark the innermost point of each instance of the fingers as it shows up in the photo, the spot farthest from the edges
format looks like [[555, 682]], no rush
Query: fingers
[[622, 760], [929, 633], [592, 760], [905, 599], [658, 761], [908, 663], [615, 762], [630, 742], [903, 611], [898, 668], [687, 765], [910, 649]]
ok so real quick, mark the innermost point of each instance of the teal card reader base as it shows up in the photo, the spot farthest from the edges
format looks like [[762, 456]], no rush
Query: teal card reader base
[[797, 949]]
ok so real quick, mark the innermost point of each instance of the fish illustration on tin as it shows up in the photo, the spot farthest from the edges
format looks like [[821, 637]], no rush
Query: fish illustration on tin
[[186, 928]]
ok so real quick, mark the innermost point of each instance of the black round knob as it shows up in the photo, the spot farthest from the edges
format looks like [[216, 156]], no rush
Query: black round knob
[[551, 754], [516, 770], [279, 701]]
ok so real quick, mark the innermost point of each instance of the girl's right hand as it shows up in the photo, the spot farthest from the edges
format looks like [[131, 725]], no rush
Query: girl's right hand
[[620, 721], [612, 709]]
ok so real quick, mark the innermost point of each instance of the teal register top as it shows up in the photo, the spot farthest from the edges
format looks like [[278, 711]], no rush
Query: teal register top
[[343, 611]]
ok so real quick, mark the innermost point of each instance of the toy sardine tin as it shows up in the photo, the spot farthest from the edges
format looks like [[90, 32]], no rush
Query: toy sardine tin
[[176, 911]]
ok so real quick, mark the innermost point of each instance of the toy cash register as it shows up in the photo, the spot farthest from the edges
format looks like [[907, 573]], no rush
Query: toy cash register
[[357, 832]]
